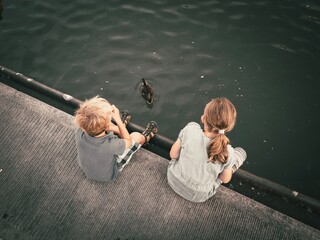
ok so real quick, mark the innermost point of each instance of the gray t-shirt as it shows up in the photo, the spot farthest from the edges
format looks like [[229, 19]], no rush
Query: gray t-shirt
[[97, 156], [192, 176]]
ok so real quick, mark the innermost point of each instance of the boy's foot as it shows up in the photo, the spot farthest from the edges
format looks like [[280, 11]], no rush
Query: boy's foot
[[150, 131], [240, 156], [125, 117]]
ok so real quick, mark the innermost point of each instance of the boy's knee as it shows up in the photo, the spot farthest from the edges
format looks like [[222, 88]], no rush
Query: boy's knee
[[137, 137]]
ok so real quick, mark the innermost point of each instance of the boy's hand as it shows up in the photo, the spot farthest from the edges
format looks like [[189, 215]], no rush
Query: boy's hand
[[115, 114], [123, 132], [114, 128]]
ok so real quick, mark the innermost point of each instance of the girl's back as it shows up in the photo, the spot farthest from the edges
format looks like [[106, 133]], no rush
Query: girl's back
[[193, 176]]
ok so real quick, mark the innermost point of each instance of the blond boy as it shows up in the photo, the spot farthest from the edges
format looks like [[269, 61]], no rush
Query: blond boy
[[103, 147]]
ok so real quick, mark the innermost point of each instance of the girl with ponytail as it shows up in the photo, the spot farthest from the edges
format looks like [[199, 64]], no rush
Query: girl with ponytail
[[203, 159]]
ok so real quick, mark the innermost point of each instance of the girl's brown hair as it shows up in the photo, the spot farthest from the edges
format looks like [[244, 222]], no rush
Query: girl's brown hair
[[219, 114], [94, 116]]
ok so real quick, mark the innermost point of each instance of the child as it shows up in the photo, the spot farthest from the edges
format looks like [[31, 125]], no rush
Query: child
[[203, 159], [103, 147]]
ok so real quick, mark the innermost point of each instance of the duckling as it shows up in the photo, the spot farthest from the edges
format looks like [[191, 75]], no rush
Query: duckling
[[146, 91]]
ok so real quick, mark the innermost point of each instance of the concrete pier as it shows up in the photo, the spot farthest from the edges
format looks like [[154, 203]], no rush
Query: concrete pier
[[45, 195]]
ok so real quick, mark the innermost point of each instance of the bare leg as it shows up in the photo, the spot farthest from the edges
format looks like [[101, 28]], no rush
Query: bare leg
[[137, 137], [150, 131]]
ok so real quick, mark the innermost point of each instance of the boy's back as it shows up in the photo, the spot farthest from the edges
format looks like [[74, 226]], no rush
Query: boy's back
[[97, 156]]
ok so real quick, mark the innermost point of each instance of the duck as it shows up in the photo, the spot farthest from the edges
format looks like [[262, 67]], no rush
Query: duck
[[146, 91]]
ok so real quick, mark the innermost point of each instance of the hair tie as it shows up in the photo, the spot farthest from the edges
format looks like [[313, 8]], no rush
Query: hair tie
[[221, 131]]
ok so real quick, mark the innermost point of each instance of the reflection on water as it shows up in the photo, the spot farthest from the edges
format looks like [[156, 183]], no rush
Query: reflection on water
[[263, 55]]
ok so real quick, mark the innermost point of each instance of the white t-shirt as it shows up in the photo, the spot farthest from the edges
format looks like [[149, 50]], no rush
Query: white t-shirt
[[193, 176]]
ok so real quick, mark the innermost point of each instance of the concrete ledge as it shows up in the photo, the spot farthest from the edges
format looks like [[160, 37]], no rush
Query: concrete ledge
[[44, 194]]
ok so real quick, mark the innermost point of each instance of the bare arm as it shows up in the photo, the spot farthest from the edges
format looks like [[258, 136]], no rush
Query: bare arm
[[123, 132], [226, 175], [175, 150], [114, 128]]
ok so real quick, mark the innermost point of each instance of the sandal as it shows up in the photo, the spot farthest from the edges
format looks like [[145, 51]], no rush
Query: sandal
[[125, 117], [152, 128]]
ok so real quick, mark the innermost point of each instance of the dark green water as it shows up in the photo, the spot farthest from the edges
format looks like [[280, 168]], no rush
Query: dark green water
[[263, 55]]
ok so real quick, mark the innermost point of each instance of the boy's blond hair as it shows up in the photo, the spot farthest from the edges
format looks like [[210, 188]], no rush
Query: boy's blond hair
[[94, 115]]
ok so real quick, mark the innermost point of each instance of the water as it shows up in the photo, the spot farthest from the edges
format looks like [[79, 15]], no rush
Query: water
[[263, 55]]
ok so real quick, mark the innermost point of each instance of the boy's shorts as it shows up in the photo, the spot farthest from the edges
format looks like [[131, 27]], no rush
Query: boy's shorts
[[123, 160]]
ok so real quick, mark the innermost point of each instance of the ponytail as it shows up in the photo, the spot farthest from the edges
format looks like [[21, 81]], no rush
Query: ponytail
[[220, 117], [218, 149]]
